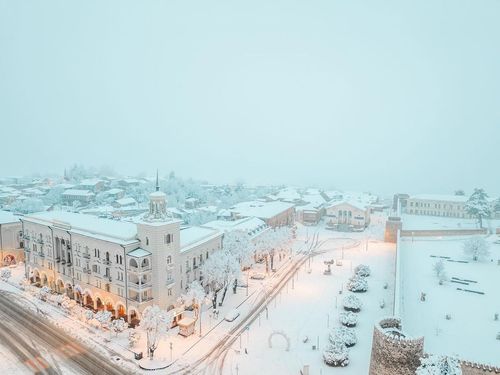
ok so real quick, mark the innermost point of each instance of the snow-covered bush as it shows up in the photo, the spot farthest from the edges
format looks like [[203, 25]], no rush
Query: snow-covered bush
[[344, 335], [133, 338], [5, 274], [43, 293], [336, 355], [357, 284], [362, 270], [439, 365], [118, 325], [348, 319], [476, 248], [352, 303], [88, 315]]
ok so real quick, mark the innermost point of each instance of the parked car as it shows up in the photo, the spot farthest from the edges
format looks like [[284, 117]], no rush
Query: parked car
[[258, 276], [231, 315]]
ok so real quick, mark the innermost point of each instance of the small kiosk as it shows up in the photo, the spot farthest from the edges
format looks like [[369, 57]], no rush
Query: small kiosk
[[186, 326]]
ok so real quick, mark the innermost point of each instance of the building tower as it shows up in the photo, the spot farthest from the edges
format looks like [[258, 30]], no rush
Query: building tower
[[160, 235]]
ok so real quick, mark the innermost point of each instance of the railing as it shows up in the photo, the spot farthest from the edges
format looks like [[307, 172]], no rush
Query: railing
[[86, 255], [68, 264], [170, 282], [140, 300], [139, 269], [106, 262], [63, 261], [109, 278], [58, 259]]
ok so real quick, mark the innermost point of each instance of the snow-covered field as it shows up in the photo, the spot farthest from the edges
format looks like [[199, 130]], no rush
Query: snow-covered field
[[471, 331], [311, 310]]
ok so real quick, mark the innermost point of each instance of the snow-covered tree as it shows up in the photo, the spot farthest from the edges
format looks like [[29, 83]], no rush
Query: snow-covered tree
[[344, 335], [476, 248], [28, 205], [5, 274], [439, 271], [478, 206], [88, 315], [103, 317], [155, 322], [336, 355], [133, 337], [194, 296], [439, 365], [118, 325], [352, 303], [239, 245], [219, 271]]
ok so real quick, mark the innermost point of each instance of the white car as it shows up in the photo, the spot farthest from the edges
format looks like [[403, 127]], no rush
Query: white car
[[258, 276], [231, 315]]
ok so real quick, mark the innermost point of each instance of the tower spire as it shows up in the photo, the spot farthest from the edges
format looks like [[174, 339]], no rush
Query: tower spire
[[157, 184]]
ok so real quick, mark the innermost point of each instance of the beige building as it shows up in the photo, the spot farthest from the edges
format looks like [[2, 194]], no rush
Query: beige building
[[347, 215], [119, 266], [437, 205], [275, 214], [11, 244]]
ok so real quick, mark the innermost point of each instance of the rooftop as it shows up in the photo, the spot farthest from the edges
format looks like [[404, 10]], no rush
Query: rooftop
[[8, 217], [78, 192], [441, 197], [262, 210], [192, 236], [112, 230]]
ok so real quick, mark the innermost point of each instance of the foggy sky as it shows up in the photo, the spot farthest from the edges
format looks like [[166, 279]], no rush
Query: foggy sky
[[383, 96]]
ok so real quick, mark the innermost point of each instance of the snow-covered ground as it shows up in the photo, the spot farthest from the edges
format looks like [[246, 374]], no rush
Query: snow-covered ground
[[471, 331], [312, 307], [423, 222]]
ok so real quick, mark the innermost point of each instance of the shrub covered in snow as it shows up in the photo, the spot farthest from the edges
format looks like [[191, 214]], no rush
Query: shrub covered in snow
[[476, 248], [118, 325], [439, 365], [43, 293], [344, 335], [348, 319], [336, 355], [5, 274], [352, 303], [362, 270], [357, 284]]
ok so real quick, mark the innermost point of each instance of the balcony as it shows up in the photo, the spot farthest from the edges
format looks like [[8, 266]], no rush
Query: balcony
[[68, 264], [86, 255], [108, 277], [58, 259], [87, 270], [106, 262], [63, 261], [41, 255], [140, 300], [141, 286], [170, 282], [139, 269]]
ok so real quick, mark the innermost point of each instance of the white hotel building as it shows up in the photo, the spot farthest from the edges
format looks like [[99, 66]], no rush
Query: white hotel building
[[119, 266]]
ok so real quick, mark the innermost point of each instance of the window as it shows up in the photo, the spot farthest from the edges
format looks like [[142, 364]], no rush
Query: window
[[121, 259], [169, 260], [169, 292], [147, 241]]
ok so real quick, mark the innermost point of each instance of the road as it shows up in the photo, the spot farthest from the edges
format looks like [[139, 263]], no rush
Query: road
[[42, 347]]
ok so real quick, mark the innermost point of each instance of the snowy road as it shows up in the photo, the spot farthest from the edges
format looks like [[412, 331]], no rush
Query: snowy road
[[25, 332]]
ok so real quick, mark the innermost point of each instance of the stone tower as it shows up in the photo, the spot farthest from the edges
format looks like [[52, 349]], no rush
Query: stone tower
[[393, 353]]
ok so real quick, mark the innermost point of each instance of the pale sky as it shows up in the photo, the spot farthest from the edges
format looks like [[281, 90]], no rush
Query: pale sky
[[384, 96]]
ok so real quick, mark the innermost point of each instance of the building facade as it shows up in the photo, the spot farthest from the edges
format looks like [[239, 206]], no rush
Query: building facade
[[119, 266], [437, 205], [350, 215], [11, 243]]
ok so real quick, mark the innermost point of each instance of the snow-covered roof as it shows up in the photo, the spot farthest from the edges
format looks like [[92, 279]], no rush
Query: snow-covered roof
[[126, 201], [192, 236], [441, 197], [113, 191], [356, 204], [263, 210], [250, 225], [8, 217], [78, 192], [158, 194], [90, 182], [88, 225], [138, 253]]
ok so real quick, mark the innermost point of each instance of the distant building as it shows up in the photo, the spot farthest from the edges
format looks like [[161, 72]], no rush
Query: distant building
[[11, 244], [95, 185], [82, 196], [346, 215], [437, 205], [275, 214]]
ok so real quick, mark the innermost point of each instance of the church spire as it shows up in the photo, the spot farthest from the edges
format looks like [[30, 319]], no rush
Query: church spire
[[157, 184]]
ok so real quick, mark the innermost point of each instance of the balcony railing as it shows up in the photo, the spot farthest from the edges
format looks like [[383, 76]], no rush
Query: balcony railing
[[106, 262], [170, 282], [41, 255], [63, 261], [58, 259], [139, 269], [86, 255], [143, 299]]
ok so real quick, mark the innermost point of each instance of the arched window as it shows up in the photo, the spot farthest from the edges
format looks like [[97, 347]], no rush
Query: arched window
[[133, 263], [145, 262]]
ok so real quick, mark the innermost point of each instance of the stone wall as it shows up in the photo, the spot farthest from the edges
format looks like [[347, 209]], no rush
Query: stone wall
[[392, 352], [472, 368]]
